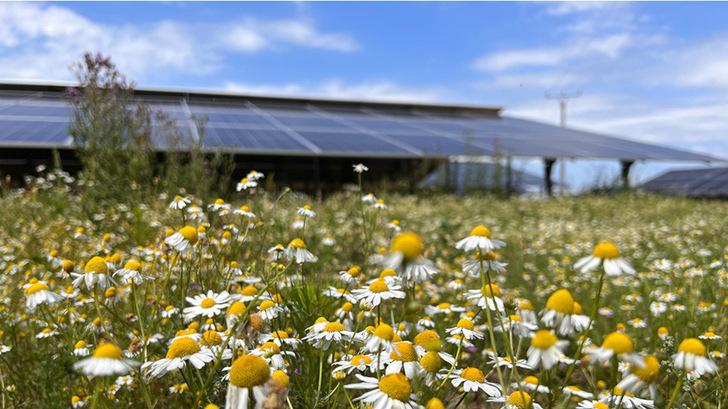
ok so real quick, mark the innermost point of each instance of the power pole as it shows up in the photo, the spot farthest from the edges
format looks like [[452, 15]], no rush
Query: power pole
[[563, 98]]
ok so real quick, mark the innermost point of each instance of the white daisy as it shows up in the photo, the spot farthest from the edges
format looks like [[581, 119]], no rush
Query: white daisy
[[378, 291], [607, 254], [296, 250], [106, 360], [184, 240], [391, 391], [39, 293], [207, 305], [181, 351], [473, 380], [479, 239], [691, 357], [95, 274], [545, 350], [248, 374]]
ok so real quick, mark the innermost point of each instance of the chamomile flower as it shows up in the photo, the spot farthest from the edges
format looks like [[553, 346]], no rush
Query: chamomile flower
[[361, 363], [95, 274], [487, 297], [640, 379], [557, 313], [351, 276], [531, 383], [575, 391], [380, 340], [245, 184], [184, 240], [269, 310], [281, 338], [306, 211], [106, 360], [179, 202], [691, 357], [483, 263], [273, 355], [378, 291], [545, 350], [392, 391], [620, 345], [331, 332], [131, 273], [39, 293], [296, 250], [248, 374], [473, 380], [207, 305], [245, 212], [606, 254], [81, 348], [360, 168], [480, 240], [181, 351], [710, 334], [517, 400], [465, 327], [626, 400], [403, 358]]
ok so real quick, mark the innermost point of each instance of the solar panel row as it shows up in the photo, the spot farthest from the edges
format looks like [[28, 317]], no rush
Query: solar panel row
[[692, 182], [325, 129]]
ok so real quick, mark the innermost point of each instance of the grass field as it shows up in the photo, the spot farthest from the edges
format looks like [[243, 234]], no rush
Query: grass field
[[365, 303]]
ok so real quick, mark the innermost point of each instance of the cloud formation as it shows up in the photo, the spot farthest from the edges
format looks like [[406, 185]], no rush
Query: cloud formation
[[40, 41]]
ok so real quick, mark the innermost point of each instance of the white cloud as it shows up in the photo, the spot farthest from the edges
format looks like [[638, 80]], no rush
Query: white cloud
[[39, 41], [546, 80], [610, 47], [571, 7], [338, 89]]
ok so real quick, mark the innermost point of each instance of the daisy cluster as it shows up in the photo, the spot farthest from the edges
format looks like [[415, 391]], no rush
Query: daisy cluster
[[280, 301]]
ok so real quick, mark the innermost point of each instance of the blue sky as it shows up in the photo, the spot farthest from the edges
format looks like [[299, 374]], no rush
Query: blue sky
[[652, 71]]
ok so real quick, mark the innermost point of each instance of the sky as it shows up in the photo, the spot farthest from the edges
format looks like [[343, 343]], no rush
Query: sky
[[654, 72]]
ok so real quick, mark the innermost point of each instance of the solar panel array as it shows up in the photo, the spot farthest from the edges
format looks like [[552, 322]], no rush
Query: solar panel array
[[464, 177], [692, 182], [323, 128]]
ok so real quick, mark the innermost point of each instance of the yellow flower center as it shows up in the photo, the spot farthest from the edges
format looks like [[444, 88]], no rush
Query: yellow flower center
[[133, 265], [68, 265], [271, 347], [219, 202], [207, 303], [266, 304], [378, 287], [578, 310], [249, 371], [486, 291], [281, 378], [334, 327], [431, 362], [297, 244], [487, 256], [519, 399], [108, 350], [600, 405], [361, 360], [692, 346], [110, 292], [473, 374], [183, 347], [96, 265], [709, 334], [561, 301], [526, 305], [606, 250], [211, 338], [409, 244], [80, 344], [189, 233], [619, 343], [249, 291], [481, 231], [466, 324], [35, 288], [428, 340], [279, 335], [434, 403], [347, 307], [531, 380], [515, 318], [396, 386], [387, 273], [236, 309], [384, 332], [354, 271], [650, 372], [406, 353], [544, 339]]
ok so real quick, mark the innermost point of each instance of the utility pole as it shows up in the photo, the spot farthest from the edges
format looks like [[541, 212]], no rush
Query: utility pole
[[563, 98]]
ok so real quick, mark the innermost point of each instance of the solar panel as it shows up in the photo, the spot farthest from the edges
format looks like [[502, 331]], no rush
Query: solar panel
[[251, 140], [351, 142], [691, 182], [332, 128]]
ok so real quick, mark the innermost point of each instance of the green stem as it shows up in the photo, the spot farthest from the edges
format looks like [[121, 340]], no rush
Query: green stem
[[676, 391]]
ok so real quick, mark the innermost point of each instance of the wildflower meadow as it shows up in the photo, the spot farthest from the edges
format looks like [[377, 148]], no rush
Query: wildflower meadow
[[366, 299]]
